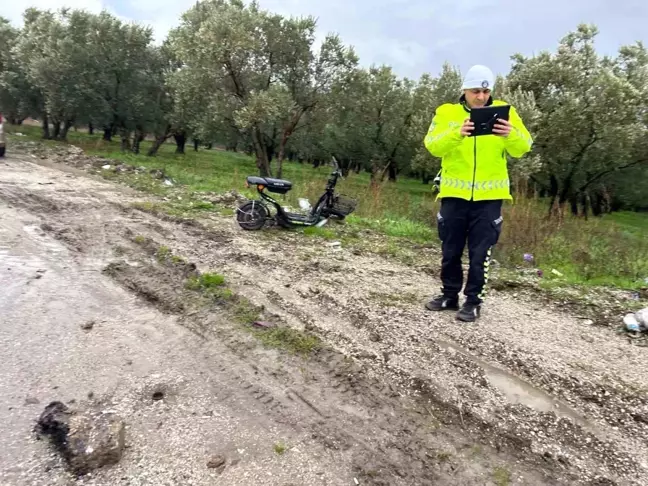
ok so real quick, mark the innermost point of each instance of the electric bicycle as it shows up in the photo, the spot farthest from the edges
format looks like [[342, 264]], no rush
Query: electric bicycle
[[253, 215]]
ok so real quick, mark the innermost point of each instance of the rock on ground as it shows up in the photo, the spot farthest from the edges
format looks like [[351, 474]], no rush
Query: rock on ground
[[87, 439]]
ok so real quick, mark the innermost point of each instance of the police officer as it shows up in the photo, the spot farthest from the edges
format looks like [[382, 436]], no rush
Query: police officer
[[474, 183]]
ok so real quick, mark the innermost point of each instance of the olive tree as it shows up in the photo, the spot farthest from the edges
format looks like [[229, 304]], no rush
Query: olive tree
[[593, 116], [259, 69]]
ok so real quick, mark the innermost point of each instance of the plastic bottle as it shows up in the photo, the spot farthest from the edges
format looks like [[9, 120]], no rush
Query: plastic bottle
[[632, 327], [631, 323]]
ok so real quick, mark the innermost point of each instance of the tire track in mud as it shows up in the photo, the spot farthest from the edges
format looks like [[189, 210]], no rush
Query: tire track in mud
[[384, 348], [472, 386], [612, 401], [336, 412], [340, 407], [588, 451], [131, 387]]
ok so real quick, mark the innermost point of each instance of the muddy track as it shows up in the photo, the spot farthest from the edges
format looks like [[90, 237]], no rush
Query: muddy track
[[408, 397], [328, 395], [384, 436]]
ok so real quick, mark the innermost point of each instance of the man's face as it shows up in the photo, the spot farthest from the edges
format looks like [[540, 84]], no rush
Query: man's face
[[477, 97]]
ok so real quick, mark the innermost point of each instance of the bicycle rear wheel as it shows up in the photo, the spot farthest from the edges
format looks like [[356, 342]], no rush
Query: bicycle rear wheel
[[251, 216]]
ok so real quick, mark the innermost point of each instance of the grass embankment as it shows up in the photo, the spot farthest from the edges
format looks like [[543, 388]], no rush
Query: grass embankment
[[214, 286], [213, 289], [612, 250]]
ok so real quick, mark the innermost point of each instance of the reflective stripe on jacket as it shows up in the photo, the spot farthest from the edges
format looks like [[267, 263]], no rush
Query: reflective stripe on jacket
[[474, 167]]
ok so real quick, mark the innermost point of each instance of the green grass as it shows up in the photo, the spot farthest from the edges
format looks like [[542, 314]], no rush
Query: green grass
[[609, 251], [398, 226], [205, 282], [280, 337], [211, 285], [444, 456], [163, 254], [280, 448], [391, 300], [501, 476], [289, 339], [325, 233], [633, 223], [219, 171], [245, 313]]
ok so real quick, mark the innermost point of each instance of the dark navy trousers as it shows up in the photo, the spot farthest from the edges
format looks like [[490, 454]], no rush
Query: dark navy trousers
[[477, 224]]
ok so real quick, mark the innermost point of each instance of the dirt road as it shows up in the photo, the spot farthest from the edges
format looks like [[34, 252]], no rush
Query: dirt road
[[397, 396]]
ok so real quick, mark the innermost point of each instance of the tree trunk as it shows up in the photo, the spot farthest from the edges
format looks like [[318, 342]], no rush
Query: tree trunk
[[159, 140], [282, 154], [57, 130], [90, 128], [553, 194], [597, 204], [392, 172], [125, 140], [279, 167], [345, 167], [270, 152], [137, 140], [66, 128], [107, 135], [262, 160], [46, 130], [381, 173], [585, 204], [573, 204], [287, 132], [377, 174], [181, 141]]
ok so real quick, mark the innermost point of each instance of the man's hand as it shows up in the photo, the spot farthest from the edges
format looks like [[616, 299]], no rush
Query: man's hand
[[467, 128], [502, 127]]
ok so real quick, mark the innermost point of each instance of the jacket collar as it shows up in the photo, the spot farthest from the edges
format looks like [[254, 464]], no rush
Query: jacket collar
[[462, 100]]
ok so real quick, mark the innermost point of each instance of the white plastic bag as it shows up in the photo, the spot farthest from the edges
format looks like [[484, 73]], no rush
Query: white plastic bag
[[304, 204]]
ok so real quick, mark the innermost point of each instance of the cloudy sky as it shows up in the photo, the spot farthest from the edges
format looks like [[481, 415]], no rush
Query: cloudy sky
[[416, 36]]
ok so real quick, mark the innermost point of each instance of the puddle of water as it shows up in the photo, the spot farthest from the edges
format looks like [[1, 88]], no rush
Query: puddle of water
[[518, 391]]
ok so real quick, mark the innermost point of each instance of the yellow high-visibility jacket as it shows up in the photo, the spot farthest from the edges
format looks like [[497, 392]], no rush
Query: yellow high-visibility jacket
[[474, 168]]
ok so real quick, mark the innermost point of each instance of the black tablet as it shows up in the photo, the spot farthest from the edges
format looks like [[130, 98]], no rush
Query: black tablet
[[485, 118]]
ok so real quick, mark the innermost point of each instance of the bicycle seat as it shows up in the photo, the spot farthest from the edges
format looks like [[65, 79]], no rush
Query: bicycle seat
[[279, 186]]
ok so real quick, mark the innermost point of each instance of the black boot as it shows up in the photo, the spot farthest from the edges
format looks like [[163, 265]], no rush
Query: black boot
[[469, 312], [442, 303]]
